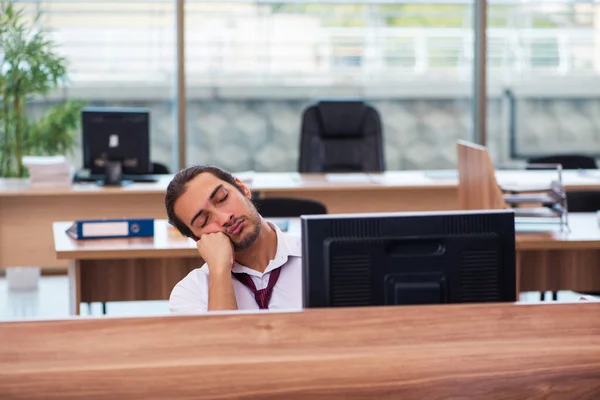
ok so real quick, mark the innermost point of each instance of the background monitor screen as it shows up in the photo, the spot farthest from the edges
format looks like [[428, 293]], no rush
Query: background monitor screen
[[116, 134]]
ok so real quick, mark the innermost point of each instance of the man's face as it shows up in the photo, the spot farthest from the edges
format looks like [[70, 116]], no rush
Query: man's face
[[210, 205]]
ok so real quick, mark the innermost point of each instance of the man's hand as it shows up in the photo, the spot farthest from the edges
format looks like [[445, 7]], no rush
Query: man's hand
[[217, 251]]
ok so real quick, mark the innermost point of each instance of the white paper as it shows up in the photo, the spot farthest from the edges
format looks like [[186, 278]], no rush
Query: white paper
[[347, 178], [245, 176]]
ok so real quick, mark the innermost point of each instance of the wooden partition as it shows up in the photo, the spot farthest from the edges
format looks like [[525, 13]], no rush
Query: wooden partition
[[477, 185], [482, 351]]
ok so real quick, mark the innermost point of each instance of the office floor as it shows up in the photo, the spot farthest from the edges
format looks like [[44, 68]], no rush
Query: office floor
[[51, 300]]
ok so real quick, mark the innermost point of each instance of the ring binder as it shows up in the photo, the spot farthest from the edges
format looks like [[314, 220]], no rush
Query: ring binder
[[111, 228]]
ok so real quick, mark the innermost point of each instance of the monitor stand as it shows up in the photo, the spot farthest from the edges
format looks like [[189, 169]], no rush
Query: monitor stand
[[113, 173]]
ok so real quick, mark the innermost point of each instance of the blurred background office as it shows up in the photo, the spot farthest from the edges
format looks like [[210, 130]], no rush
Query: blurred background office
[[252, 67]]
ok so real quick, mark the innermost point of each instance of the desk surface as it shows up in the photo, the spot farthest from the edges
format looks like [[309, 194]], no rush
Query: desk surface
[[291, 181], [488, 351], [585, 234]]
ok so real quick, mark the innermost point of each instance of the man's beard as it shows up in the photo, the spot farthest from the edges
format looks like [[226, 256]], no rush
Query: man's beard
[[253, 221]]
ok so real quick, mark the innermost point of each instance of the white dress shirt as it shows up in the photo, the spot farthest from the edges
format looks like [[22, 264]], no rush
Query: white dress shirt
[[190, 295]]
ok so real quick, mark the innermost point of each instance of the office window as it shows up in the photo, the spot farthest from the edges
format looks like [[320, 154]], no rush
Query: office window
[[544, 64], [120, 54], [253, 67]]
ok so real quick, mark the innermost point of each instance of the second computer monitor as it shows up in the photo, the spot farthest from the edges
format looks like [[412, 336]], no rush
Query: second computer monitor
[[116, 134], [409, 258]]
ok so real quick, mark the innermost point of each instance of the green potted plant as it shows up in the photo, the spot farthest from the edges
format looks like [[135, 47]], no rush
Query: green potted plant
[[30, 67]]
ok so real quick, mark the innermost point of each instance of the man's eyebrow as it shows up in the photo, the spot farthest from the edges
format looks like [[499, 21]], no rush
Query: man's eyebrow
[[212, 196], [214, 192]]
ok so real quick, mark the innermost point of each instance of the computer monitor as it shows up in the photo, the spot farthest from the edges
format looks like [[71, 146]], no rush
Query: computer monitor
[[408, 258], [116, 134]]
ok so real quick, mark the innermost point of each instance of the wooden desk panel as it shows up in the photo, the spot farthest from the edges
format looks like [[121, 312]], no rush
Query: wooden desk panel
[[26, 237], [577, 270], [345, 201], [506, 352], [133, 280], [561, 260]]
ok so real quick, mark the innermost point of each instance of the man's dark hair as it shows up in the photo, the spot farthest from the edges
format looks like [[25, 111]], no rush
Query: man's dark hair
[[178, 186]]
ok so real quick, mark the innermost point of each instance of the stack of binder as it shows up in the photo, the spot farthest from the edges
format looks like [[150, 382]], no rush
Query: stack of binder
[[48, 172], [540, 204]]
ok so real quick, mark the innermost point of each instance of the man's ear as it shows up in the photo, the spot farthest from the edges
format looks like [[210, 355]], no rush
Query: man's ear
[[244, 188]]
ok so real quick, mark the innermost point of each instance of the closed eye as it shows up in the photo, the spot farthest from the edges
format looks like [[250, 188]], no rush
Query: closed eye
[[218, 202], [205, 222]]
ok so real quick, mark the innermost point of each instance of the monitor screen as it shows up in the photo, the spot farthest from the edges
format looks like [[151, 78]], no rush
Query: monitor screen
[[116, 134], [408, 258]]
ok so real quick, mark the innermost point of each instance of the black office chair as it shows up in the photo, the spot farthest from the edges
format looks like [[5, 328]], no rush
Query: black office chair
[[568, 161], [578, 200], [341, 136], [283, 207], [159, 169]]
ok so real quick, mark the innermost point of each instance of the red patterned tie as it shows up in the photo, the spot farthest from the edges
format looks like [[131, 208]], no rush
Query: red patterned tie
[[262, 296]]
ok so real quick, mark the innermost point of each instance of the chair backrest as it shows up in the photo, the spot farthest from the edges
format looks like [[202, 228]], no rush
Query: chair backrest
[[583, 200], [341, 136], [478, 188], [283, 207], [568, 161], [159, 169]]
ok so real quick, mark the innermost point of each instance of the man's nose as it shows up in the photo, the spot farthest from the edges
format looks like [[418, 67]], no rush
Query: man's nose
[[225, 219]]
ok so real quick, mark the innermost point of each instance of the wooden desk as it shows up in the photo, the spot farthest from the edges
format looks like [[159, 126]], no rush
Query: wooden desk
[[148, 269], [559, 261], [490, 351], [27, 213]]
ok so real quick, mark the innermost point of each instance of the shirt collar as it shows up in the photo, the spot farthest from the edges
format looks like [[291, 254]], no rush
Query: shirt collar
[[287, 246]]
